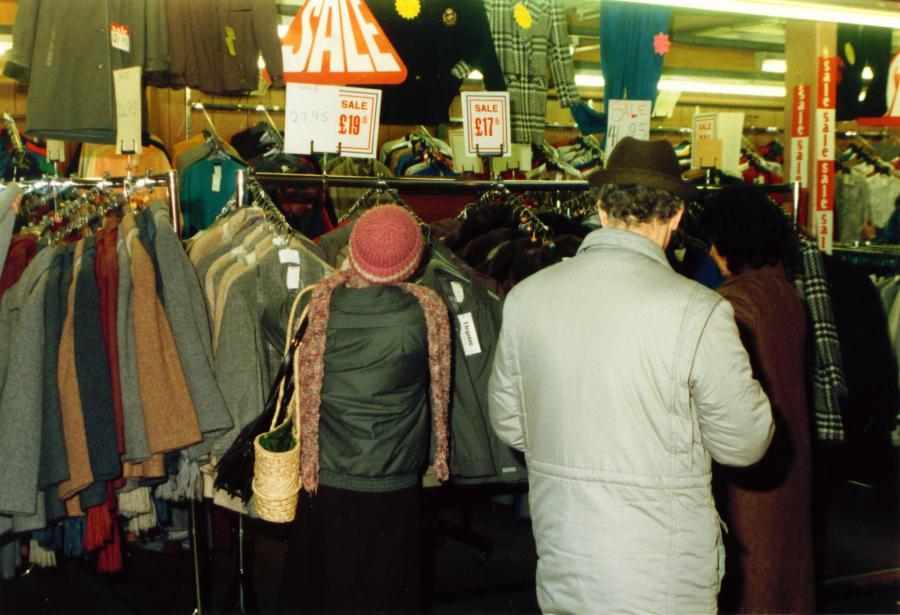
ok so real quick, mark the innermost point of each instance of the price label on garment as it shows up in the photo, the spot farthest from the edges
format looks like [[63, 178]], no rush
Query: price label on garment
[[468, 334], [486, 123], [120, 37], [334, 119], [627, 118], [56, 150], [127, 85]]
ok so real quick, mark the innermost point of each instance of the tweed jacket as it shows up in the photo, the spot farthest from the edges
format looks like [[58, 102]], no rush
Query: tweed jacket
[[187, 315], [525, 54], [136, 447], [246, 367], [169, 416], [21, 397], [619, 379], [80, 474]]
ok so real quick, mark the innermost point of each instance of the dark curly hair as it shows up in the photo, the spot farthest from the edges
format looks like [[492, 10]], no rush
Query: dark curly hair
[[633, 204], [747, 228]]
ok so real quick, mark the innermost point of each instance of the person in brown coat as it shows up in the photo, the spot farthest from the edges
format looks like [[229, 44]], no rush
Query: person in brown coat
[[767, 505]]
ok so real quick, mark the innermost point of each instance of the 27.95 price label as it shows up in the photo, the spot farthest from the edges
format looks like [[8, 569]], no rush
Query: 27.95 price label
[[335, 119], [486, 123]]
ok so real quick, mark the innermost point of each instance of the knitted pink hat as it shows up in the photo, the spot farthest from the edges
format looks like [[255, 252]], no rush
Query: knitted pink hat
[[386, 245]]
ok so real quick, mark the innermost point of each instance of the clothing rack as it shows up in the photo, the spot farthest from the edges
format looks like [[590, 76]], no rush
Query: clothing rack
[[129, 183], [168, 180], [417, 184]]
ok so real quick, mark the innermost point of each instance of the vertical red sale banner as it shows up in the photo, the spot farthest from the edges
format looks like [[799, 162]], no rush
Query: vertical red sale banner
[[824, 151], [800, 154]]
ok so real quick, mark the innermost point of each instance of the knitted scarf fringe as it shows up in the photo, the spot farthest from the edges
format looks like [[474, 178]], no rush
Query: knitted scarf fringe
[[309, 372]]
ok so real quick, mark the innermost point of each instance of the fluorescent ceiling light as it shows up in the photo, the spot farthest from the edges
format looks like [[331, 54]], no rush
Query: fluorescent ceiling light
[[722, 88], [792, 9], [476, 74], [867, 73], [5, 46], [675, 84], [774, 65], [587, 80]]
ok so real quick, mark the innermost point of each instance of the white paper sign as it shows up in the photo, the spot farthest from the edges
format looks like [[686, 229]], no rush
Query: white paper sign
[[328, 118], [727, 126], [127, 84], [56, 150], [627, 118], [800, 160], [486, 123]]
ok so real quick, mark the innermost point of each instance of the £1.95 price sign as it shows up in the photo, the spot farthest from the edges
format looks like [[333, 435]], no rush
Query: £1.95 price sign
[[325, 118], [486, 123]]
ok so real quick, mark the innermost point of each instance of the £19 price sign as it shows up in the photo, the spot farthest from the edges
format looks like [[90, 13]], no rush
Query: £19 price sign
[[486, 123], [324, 118]]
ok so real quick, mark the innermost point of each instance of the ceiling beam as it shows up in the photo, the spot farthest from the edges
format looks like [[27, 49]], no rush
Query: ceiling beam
[[696, 73]]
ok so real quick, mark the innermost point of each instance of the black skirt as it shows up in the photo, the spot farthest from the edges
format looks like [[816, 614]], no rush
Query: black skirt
[[353, 551]]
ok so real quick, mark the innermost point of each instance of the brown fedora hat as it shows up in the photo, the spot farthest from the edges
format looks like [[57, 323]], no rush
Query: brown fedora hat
[[652, 164]]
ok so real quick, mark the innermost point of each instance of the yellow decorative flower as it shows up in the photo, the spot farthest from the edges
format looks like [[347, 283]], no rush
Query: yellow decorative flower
[[522, 16], [408, 9]]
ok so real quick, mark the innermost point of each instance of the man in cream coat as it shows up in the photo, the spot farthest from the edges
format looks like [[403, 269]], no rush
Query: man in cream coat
[[619, 379]]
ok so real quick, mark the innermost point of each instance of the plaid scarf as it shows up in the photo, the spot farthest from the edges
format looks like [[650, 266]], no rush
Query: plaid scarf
[[829, 383]]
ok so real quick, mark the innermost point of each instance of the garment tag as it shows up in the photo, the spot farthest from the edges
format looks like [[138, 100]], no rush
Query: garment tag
[[468, 335], [289, 256], [127, 83], [217, 178], [458, 294], [56, 150], [120, 36], [293, 277]]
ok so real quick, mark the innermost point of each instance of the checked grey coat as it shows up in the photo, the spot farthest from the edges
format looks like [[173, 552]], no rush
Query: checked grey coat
[[524, 54]]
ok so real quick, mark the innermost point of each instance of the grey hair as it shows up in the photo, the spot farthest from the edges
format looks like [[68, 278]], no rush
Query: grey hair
[[634, 204]]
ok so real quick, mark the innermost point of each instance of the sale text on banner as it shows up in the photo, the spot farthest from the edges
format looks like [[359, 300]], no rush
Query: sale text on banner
[[824, 152], [627, 118], [800, 154], [326, 118], [339, 42], [486, 123]]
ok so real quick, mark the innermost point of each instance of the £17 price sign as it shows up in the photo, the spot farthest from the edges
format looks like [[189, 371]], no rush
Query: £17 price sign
[[486, 123], [324, 118]]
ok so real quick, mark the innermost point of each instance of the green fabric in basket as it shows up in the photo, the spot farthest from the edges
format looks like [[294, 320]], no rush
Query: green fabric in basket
[[279, 440]]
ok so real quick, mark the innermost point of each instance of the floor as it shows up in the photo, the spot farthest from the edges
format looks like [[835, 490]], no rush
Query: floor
[[859, 564]]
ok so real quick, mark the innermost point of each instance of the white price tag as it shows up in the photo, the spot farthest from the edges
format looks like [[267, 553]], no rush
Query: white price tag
[[289, 256], [325, 118], [468, 334], [458, 293], [293, 277], [127, 83], [120, 37], [56, 150], [486, 123], [217, 178], [627, 118]]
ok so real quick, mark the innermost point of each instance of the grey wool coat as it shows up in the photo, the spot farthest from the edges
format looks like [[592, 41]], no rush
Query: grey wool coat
[[186, 310], [621, 381], [21, 397]]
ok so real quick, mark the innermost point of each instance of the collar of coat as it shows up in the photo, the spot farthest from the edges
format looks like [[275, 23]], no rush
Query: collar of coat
[[619, 239]]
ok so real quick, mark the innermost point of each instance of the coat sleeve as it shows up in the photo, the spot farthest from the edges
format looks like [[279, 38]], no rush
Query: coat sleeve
[[18, 64], [560, 59], [505, 386], [265, 22], [734, 413]]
